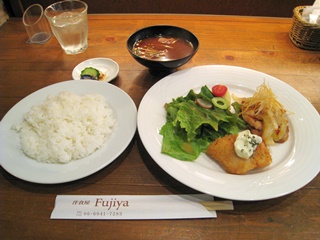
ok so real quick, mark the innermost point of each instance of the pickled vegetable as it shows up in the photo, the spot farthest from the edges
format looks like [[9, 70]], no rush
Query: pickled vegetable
[[90, 73]]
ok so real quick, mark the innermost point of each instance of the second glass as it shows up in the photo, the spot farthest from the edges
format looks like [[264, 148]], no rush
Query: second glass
[[36, 24], [69, 23]]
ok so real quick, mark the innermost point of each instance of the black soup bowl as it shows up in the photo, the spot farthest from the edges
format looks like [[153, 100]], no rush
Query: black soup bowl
[[162, 65]]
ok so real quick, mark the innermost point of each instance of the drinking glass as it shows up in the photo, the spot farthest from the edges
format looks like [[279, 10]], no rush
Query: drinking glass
[[36, 24], [69, 23]]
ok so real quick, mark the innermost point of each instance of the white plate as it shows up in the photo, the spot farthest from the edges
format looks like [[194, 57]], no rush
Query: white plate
[[105, 65], [18, 164], [295, 162]]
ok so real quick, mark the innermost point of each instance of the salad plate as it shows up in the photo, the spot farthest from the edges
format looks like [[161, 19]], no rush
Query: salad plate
[[108, 67], [14, 161], [295, 162]]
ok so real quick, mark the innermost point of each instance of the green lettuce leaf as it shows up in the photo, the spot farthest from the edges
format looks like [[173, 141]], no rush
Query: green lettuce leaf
[[190, 128]]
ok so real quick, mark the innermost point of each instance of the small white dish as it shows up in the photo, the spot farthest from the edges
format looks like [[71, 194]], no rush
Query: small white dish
[[107, 66]]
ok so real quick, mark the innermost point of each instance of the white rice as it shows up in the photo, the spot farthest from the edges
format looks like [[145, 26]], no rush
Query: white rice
[[65, 127]]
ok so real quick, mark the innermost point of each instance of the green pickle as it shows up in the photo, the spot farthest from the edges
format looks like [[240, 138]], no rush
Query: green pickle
[[90, 73]]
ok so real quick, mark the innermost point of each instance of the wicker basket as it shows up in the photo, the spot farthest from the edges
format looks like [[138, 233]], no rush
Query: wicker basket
[[304, 34]]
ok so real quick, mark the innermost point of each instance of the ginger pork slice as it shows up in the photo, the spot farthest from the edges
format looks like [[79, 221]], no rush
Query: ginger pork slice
[[222, 150]]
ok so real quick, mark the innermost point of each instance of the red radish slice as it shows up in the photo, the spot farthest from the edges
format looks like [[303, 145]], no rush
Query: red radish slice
[[204, 103]]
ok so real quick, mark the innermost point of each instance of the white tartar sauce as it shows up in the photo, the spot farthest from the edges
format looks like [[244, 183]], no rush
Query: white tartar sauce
[[246, 143]]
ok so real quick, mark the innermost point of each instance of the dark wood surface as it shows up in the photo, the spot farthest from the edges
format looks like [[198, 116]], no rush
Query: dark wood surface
[[258, 43], [270, 8]]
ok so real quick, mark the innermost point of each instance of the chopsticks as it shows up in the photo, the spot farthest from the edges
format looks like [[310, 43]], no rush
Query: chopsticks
[[217, 205]]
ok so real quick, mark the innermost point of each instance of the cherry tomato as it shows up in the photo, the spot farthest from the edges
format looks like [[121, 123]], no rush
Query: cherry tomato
[[219, 90]]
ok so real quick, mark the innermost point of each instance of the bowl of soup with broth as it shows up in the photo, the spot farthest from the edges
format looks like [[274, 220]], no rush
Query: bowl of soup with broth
[[162, 48]]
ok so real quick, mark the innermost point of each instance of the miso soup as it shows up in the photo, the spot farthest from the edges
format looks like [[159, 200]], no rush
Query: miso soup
[[162, 48]]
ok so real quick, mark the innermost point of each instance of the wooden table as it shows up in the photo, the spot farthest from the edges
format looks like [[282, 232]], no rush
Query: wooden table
[[258, 43]]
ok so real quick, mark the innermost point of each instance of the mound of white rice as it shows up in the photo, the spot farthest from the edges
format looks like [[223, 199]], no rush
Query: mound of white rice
[[65, 127]]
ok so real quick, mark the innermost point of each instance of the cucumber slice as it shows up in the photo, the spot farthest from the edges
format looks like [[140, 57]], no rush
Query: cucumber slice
[[90, 72], [220, 102]]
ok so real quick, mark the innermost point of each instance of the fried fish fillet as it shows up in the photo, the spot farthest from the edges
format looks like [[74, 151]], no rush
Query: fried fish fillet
[[222, 150]]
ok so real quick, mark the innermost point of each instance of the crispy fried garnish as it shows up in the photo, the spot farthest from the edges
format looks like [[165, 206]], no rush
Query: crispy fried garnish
[[266, 115]]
